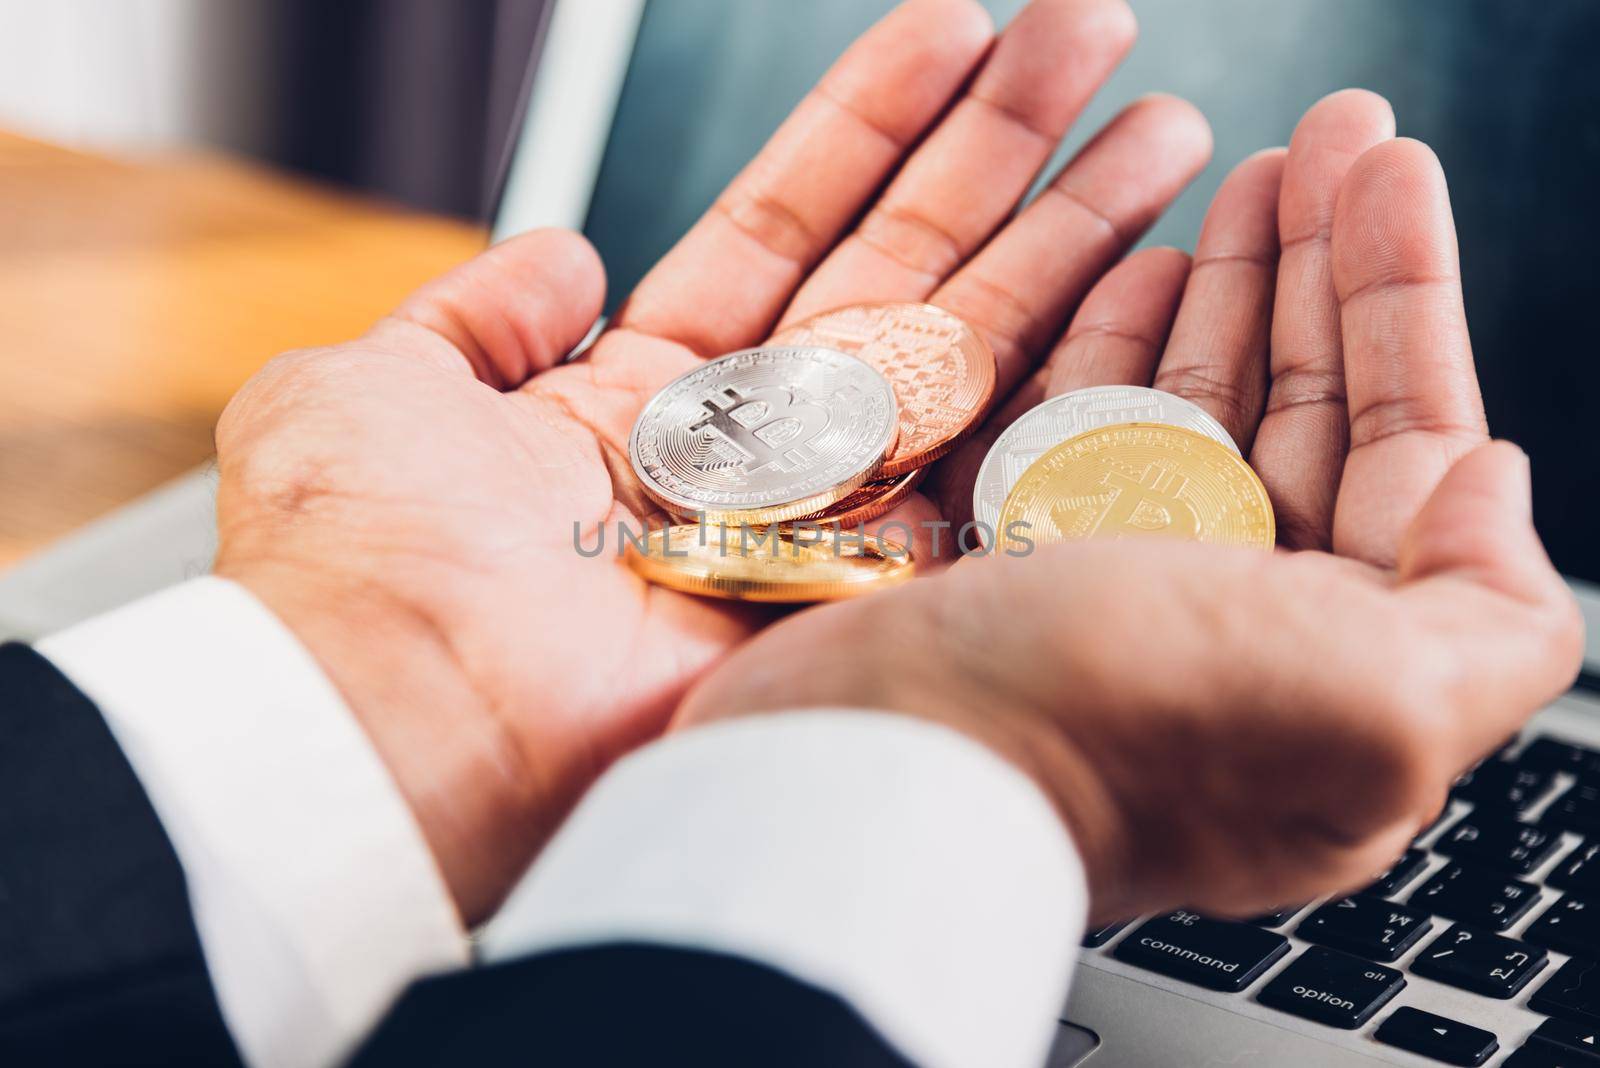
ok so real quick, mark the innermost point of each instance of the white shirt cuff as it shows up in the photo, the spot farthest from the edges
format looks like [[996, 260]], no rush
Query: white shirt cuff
[[313, 890], [891, 862]]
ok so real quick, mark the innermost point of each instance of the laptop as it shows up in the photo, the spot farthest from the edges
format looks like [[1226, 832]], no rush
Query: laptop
[[1477, 944]]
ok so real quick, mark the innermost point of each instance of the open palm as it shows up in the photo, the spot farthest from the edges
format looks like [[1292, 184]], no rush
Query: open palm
[[1172, 698], [431, 478], [430, 475]]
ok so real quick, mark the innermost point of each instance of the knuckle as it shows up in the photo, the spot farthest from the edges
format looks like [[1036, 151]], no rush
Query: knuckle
[[765, 219], [1111, 231], [1226, 398], [1402, 414], [994, 310], [1307, 385], [912, 240]]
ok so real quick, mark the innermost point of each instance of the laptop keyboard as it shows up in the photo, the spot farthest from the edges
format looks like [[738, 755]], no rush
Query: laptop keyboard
[[1517, 848]]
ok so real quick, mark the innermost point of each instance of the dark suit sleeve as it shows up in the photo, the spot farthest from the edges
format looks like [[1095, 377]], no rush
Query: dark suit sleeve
[[625, 1004], [100, 962]]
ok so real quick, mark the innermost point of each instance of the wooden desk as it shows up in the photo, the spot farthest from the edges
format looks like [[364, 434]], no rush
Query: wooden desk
[[137, 295]]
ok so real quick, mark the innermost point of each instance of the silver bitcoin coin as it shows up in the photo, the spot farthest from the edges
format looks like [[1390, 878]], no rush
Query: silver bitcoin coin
[[1047, 425], [764, 435]]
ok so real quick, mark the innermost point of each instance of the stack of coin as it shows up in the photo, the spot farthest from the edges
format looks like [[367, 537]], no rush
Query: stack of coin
[[832, 423], [827, 426], [1118, 461]]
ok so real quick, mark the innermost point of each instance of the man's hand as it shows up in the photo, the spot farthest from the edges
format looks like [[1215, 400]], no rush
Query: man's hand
[[1227, 729], [1219, 728], [408, 502]]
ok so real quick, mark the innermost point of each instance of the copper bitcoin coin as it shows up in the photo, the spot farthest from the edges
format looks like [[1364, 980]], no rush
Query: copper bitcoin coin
[[867, 502], [942, 372]]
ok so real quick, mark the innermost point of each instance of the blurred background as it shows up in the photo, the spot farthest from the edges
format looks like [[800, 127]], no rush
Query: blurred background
[[416, 101], [409, 98]]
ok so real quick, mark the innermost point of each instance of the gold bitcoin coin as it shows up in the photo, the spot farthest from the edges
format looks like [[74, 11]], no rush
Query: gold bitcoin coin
[[1140, 480], [768, 564]]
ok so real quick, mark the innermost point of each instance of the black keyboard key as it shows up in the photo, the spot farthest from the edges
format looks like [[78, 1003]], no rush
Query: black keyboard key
[[1577, 809], [1540, 1055], [1483, 963], [1503, 788], [1215, 954], [1366, 926], [1332, 988], [1571, 925], [1276, 918], [1572, 1037], [1573, 993], [1476, 897], [1099, 936], [1432, 825], [1579, 870], [1401, 872], [1438, 1037], [1547, 754], [1501, 844]]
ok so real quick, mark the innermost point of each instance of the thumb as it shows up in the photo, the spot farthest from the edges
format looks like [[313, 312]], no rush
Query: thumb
[[1478, 523], [511, 312], [1474, 567]]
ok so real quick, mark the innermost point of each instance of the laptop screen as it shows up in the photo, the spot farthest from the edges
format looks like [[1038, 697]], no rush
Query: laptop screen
[[1505, 93]]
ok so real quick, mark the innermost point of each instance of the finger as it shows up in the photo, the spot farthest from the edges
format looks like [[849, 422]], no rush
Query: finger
[[1472, 563], [1120, 331], [1300, 446], [967, 177], [1478, 525], [1217, 355], [1019, 290], [506, 314], [1413, 395], [723, 285], [1116, 337]]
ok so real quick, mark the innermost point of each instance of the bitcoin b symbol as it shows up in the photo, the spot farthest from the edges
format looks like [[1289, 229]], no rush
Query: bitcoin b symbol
[[771, 437], [1149, 505]]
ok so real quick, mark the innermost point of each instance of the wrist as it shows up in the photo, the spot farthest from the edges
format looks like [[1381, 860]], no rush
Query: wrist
[[1033, 740], [457, 769], [926, 664]]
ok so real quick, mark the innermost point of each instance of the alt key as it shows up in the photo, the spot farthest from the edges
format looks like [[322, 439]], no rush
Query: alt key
[[1332, 988]]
